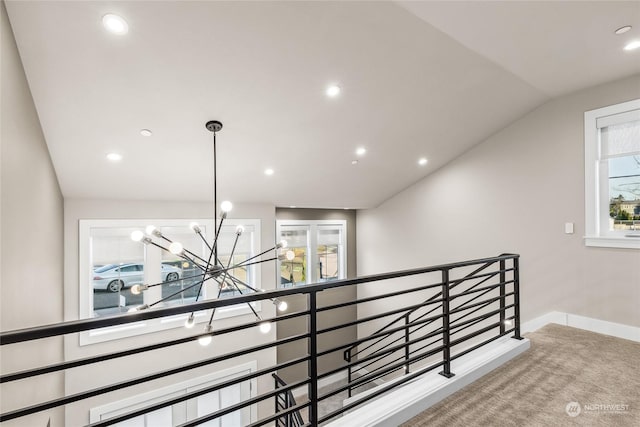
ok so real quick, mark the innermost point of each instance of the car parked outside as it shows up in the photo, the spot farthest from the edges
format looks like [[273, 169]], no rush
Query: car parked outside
[[114, 277]]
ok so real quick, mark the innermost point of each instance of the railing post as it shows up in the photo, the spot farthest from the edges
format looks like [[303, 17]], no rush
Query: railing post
[[503, 278], [406, 344], [313, 360], [446, 352], [347, 358], [516, 297]]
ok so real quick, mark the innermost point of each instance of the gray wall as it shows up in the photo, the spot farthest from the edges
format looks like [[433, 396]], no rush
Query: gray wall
[[333, 296], [31, 281], [112, 371], [513, 193]]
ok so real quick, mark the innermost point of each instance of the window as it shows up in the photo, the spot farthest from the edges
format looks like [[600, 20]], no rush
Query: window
[[319, 249], [612, 176], [111, 263], [190, 409]]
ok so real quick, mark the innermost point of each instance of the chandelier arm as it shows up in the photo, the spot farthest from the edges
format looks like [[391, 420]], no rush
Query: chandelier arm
[[213, 311], [255, 256], [215, 239], [204, 240], [242, 264], [194, 256], [174, 294], [181, 256], [176, 280], [241, 293]]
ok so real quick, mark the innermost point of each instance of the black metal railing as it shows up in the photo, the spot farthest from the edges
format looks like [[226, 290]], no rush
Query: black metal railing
[[430, 335], [375, 357], [284, 401]]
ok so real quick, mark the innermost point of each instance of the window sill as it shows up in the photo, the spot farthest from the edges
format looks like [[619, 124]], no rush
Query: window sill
[[612, 242]]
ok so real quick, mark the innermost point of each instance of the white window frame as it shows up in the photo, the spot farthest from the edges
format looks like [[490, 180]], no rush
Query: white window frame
[[595, 232], [312, 244], [161, 324], [164, 393]]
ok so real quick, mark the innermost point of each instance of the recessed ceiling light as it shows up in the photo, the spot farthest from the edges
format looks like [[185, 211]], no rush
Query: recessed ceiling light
[[333, 91], [423, 161], [146, 132], [268, 171], [114, 157], [623, 30], [632, 45], [354, 162], [293, 206], [115, 24], [360, 151]]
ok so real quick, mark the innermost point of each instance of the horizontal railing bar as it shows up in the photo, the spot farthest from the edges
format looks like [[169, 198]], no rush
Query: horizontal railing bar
[[123, 384], [383, 371], [454, 283], [281, 414], [361, 340], [497, 285], [377, 297], [402, 357], [466, 306], [371, 356], [229, 409], [382, 390], [474, 334], [63, 328], [101, 358], [374, 317], [466, 327], [482, 316], [370, 318], [477, 346]]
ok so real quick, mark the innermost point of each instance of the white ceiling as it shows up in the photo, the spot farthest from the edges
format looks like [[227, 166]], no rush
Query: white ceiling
[[419, 79]]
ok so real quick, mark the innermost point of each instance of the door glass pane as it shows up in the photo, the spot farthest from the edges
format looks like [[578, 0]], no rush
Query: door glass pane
[[243, 250], [328, 251], [116, 265], [295, 270], [230, 396]]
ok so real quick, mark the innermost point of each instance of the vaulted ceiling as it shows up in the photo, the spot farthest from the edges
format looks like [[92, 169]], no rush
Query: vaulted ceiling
[[417, 79]]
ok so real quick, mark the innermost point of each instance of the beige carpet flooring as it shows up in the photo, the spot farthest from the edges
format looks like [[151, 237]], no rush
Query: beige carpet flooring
[[600, 374]]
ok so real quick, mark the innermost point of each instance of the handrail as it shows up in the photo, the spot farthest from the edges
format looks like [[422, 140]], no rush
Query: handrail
[[62, 328], [416, 349]]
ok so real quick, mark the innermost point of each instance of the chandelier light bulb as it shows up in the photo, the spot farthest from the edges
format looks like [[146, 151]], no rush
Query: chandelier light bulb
[[149, 229], [290, 255], [507, 322], [226, 206], [176, 248], [206, 339], [137, 289], [283, 244], [191, 321], [265, 327], [195, 227], [239, 230], [137, 236], [282, 305]]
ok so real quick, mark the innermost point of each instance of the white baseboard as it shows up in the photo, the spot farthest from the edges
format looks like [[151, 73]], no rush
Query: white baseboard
[[604, 327]]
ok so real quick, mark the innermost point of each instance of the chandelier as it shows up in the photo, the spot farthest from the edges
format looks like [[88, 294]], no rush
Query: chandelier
[[210, 267]]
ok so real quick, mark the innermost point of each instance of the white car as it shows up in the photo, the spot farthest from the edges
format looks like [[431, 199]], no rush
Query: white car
[[113, 277]]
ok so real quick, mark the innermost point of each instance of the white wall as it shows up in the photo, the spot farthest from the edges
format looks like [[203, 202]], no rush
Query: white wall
[[31, 234], [81, 379], [513, 193]]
